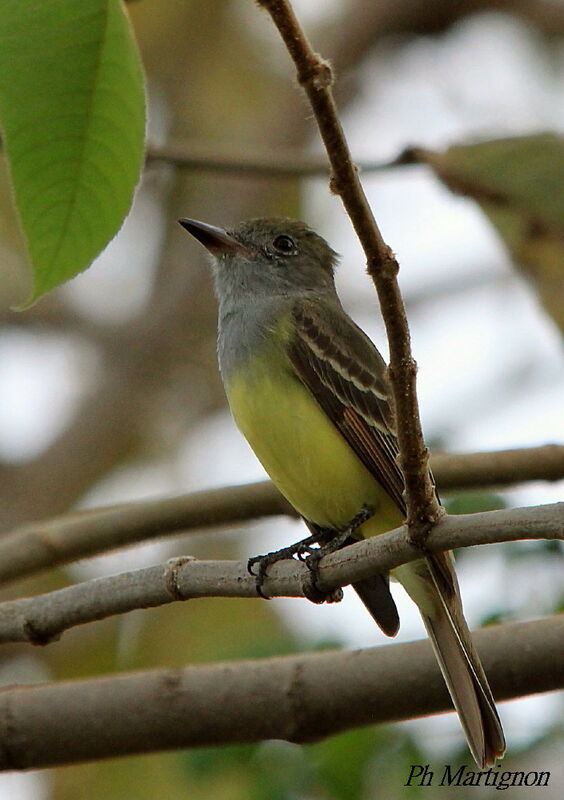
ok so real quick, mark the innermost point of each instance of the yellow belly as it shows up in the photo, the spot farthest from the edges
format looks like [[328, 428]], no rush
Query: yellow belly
[[302, 451]]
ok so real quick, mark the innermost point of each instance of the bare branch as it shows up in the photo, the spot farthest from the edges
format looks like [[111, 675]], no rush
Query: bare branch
[[297, 698], [315, 76], [196, 156], [498, 468], [41, 619], [60, 540]]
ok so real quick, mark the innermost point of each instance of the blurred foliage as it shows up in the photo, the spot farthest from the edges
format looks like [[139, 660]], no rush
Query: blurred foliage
[[357, 765], [519, 184], [549, 548], [470, 502]]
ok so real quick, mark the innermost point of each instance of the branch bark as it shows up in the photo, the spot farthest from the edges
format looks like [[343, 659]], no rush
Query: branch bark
[[64, 539], [315, 76], [39, 620], [498, 467], [297, 698]]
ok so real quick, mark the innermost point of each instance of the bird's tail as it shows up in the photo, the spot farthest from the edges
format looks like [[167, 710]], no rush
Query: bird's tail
[[375, 594], [432, 585]]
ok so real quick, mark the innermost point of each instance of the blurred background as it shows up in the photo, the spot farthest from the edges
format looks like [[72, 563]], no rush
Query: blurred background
[[109, 390]]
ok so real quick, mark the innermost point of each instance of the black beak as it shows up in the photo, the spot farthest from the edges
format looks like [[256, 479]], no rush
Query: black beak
[[216, 240]]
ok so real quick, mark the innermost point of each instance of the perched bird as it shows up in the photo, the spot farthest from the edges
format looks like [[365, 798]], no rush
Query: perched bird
[[308, 390]]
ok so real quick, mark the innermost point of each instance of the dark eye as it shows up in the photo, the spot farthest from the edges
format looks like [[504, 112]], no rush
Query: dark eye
[[285, 245]]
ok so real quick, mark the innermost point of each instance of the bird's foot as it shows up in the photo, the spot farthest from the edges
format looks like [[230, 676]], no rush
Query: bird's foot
[[335, 538], [299, 550], [330, 535], [311, 552]]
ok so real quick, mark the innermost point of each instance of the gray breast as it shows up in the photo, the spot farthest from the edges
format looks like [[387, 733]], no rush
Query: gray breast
[[244, 328]]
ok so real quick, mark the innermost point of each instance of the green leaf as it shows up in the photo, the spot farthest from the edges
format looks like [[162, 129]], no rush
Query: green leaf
[[342, 761], [519, 184], [73, 120]]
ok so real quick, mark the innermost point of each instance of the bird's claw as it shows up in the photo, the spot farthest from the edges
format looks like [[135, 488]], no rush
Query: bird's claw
[[266, 560], [310, 553]]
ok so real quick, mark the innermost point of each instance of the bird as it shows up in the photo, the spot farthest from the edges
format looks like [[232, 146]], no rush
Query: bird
[[309, 391]]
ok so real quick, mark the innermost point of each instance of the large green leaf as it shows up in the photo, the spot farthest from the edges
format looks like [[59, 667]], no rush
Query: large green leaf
[[73, 118], [519, 184]]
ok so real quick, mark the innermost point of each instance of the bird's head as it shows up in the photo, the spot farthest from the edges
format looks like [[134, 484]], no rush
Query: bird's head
[[266, 256]]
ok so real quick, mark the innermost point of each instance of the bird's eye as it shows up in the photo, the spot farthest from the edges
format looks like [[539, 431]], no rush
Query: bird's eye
[[285, 245]]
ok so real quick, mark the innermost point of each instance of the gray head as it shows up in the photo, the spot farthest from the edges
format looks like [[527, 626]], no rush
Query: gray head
[[267, 257]]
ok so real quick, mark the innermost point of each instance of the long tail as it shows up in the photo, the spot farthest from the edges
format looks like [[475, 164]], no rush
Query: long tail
[[432, 585]]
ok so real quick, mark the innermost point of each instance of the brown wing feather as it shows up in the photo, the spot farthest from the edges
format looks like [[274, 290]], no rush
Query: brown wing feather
[[345, 373]]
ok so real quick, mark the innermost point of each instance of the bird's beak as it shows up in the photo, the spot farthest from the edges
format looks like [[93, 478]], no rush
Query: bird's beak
[[216, 240]]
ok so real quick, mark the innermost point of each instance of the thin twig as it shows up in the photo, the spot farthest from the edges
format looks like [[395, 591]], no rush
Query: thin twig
[[42, 619], [64, 539], [315, 76], [298, 698], [196, 156]]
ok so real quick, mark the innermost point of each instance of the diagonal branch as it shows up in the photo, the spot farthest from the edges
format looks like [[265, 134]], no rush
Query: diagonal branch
[[315, 76], [61, 540], [64, 539], [296, 698], [41, 619]]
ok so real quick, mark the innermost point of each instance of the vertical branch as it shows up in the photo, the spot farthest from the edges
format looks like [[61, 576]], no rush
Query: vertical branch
[[315, 76]]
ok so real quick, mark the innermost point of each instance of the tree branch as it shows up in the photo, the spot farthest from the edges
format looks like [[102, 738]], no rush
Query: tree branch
[[498, 467], [60, 540], [64, 539], [297, 698], [315, 76], [195, 155], [41, 619]]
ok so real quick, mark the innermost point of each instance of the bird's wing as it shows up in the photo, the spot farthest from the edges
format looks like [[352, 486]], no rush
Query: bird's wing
[[345, 373]]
